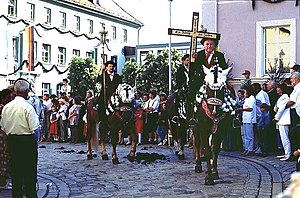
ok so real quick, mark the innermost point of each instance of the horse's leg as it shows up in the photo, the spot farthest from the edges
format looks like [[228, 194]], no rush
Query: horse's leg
[[182, 138], [103, 133], [131, 155], [114, 142], [196, 143], [208, 155], [215, 149], [89, 149]]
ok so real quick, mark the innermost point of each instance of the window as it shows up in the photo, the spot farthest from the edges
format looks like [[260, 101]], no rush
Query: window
[[15, 48], [12, 7], [63, 17], [61, 56], [48, 16], [114, 32], [76, 52], [125, 36], [45, 88], [89, 54], [276, 46], [77, 23], [32, 11], [46, 53], [91, 26]]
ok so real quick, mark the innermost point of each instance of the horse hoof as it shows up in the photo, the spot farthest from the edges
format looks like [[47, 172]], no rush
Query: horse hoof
[[89, 157], [130, 158], [215, 175], [115, 161], [105, 157], [198, 169], [181, 157], [209, 181]]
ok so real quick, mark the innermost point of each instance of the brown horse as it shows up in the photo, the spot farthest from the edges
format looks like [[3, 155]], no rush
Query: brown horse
[[176, 110], [120, 117], [214, 102]]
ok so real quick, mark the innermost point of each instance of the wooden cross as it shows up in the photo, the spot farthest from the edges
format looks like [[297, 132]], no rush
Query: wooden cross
[[194, 34]]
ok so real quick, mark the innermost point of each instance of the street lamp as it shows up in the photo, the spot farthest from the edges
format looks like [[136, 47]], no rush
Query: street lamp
[[103, 41], [170, 48]]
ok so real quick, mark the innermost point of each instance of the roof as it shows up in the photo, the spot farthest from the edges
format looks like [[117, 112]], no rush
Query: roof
[[109, 7]]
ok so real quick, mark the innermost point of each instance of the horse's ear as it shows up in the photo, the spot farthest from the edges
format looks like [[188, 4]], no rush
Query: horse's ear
[[205, 69], [226, 71]]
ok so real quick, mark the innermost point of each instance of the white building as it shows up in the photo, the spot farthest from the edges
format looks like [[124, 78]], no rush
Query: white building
[[62, 29]]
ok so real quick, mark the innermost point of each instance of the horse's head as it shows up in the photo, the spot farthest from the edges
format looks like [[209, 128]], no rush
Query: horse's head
[[125, 92], [215, 77]]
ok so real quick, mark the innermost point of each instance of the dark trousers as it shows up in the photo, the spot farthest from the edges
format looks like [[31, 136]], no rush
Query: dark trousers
[[23, 155], [294, 130]]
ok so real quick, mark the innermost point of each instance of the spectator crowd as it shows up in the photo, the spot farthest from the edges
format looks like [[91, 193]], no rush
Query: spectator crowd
[[269, 116]]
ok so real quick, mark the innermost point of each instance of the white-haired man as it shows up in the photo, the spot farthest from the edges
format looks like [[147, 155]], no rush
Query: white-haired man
[[19, 121], [294, 104]]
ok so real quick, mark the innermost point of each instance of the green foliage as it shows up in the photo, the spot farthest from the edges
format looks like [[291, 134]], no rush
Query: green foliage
[[82, 75], [154, 72]]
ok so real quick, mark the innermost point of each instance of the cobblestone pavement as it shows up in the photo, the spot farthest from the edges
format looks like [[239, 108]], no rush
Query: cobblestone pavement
[[64, 171]]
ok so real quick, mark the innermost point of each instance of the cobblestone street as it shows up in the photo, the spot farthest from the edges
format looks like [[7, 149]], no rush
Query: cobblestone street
[[65, 171]]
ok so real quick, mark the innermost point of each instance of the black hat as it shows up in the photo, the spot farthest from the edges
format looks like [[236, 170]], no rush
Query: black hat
[[205, 39], [296, 67], [110, 62]]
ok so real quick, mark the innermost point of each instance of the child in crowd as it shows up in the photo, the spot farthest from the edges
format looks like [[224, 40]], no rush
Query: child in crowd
[[139, 122], [53, 127], [262, 124]]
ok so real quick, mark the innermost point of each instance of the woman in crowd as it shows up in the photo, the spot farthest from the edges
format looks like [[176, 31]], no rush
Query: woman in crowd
[[6, 96], [248, 119], [283, 120], [74, 119]]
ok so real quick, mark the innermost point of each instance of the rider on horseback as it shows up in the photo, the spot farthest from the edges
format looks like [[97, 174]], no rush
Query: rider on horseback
[[208, 57], [109, 84]]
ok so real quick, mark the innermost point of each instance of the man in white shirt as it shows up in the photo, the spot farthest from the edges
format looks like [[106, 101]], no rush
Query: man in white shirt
[[19, 121], [152, 110], [294, 103]]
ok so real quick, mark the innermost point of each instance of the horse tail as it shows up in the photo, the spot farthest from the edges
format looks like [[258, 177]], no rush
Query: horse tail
[[94, 138]]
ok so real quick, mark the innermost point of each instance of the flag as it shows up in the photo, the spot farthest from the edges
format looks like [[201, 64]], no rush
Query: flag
[[30, 43]]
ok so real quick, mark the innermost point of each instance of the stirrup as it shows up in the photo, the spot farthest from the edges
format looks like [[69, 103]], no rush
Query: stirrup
[[193, 122], [175, 119]]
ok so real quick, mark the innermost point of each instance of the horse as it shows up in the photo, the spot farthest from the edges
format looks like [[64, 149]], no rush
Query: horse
[[176, 111], [214, 102], [120, 117]]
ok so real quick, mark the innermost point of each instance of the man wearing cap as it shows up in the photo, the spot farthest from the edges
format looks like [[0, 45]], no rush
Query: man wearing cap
[[207, 57], [295, 68], [112, 81], [247, 80]]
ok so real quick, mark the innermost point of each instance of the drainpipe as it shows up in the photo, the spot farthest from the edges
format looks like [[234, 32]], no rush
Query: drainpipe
[[216, 16]]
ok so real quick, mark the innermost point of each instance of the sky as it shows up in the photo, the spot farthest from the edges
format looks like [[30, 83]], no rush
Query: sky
[[154, 14]]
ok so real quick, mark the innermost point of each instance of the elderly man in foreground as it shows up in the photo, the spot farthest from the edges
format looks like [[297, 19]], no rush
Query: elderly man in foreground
[[19, 120]]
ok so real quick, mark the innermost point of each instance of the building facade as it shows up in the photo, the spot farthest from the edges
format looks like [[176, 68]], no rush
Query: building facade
[[53, 32], [260, 36]]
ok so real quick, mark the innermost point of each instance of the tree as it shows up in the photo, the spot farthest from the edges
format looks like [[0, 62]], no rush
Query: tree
[[154, 72], [82, 75]]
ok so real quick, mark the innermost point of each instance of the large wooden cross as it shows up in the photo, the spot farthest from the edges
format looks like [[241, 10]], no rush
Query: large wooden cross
[[194, 34]]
